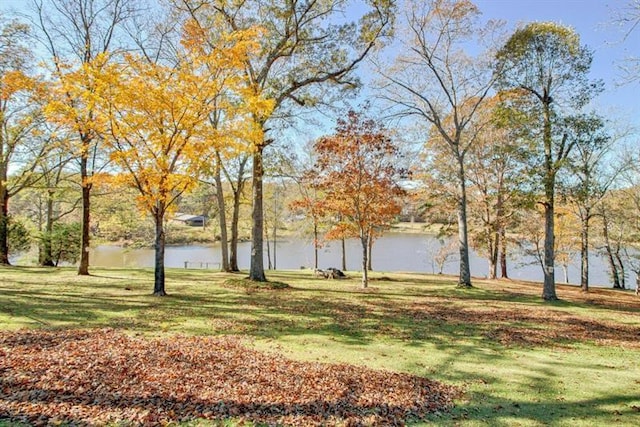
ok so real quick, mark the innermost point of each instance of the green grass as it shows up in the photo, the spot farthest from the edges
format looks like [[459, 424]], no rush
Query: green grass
[[520, 360]]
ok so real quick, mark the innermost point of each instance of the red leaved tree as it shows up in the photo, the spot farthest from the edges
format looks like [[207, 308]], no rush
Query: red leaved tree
[[357, 168]]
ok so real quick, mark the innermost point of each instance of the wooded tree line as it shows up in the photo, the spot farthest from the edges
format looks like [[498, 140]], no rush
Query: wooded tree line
[[153, 100]]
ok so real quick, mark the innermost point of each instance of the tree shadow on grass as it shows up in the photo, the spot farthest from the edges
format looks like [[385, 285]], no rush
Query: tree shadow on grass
[[496, 411]]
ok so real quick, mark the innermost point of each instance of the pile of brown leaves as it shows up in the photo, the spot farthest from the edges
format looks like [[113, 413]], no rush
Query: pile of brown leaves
[[96, 377]]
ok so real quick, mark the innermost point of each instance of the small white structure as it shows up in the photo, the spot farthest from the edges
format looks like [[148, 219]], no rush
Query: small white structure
[[191, 220]]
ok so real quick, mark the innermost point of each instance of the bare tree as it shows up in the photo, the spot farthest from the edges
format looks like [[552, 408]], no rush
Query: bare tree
[[628, 17], [591, 177], [435, 80]]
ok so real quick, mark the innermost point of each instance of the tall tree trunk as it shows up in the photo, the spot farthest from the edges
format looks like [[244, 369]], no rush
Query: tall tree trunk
[[315, 244], [613, 268], [621, 270], [365, 252], [344, 254], [4, 225], [46, 255], [4, 205], [463, 235], [584, 252], [267, 245], [503, 253], [275, 228], [235, 218], [256, 271], [222, 216], [158, 283], [549, 287], [83, 269], [370, 249], [493, 264], [494, 238]]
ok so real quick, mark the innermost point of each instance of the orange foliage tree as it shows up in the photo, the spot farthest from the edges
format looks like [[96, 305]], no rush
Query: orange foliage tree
[[158, 122], [357, 170]]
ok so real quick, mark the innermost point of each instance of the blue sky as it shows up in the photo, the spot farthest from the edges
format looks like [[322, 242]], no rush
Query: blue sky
[[592, 19]]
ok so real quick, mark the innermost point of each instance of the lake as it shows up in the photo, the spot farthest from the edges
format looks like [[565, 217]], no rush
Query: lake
[[391, 253]]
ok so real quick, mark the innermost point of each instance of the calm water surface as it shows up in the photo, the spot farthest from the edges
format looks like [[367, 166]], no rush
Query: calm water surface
[[392, 253]]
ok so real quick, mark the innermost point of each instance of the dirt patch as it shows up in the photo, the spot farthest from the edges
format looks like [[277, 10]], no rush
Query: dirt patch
[[103, 376]]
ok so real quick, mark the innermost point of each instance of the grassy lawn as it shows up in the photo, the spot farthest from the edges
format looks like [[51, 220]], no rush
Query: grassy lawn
[[520, 361]]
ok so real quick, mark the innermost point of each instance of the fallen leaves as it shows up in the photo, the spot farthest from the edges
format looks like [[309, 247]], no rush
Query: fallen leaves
[[104, 376], [527, 325]]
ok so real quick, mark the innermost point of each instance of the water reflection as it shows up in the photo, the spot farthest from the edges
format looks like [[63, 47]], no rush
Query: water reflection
[[392, 252]]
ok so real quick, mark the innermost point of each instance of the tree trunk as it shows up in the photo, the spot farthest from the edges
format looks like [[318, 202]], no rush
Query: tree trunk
[[235, 218], [584, 252], [158, 283], [256, 271], [4, 206], [275, 228], [267, 245], [613, 268], [493, 239], [370, 249], [4, 222], [46, 255], [549, 287], [344, 254], [83, 269], [493, 267], [503, 253], [621, 270], [222, 217], [494, 245], [315, 244], [365, 251], [463, 235]]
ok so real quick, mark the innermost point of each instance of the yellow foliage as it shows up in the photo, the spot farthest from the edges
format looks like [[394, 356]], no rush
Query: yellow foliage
[[158, 117], [12, 82]]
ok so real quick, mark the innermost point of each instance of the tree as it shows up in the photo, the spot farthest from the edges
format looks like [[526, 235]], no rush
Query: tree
[[356, 170], [228, 122], [497, 170], [235, 172], [548, 64], [312, 205], [619, 212], [54, 177], [436, 81], [629, 18], [76, 32], [65, 242], [22, 146], [162, 139], [590, 179], [303, 48]]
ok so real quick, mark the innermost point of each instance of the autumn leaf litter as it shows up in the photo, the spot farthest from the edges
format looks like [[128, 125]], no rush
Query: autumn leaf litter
[[103, 376]]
